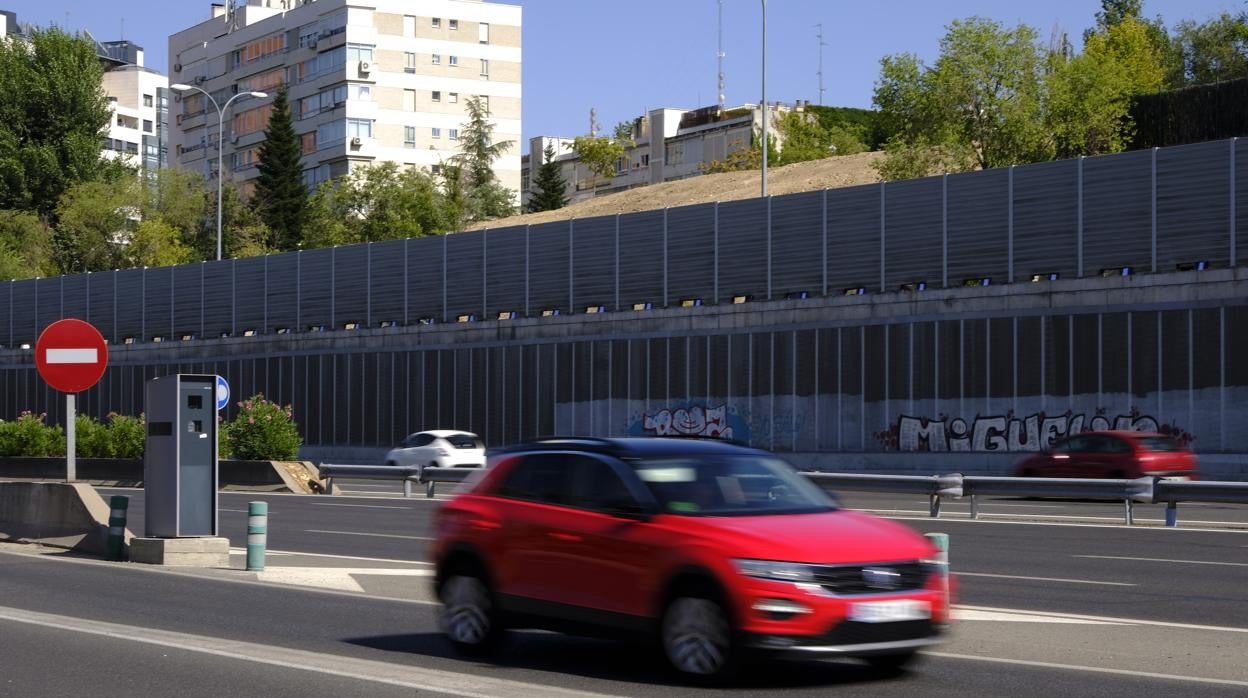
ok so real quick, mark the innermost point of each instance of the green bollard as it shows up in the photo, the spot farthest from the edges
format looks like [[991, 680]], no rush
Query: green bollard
[[257, 534], [117, 504]]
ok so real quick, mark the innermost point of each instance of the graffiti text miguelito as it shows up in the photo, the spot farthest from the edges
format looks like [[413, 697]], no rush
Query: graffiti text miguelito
[[1009, 433]]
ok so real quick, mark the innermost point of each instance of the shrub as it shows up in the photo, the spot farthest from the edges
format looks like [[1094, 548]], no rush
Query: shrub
[[263, 431], [91, 439], [29, 436], [127, 435]]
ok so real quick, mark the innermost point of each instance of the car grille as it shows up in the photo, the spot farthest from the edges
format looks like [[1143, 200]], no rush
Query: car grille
[[855, 633], [866, 579]]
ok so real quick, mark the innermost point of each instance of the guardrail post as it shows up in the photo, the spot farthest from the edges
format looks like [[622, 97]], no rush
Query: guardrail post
[[1172, 513], [1130, 510], [429, 489], [257, 534], [329, 485], [934, 506], [407, 487], [974, 508], [117, 505]]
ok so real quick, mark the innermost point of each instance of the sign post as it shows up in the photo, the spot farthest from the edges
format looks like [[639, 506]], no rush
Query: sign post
[[71, 356]]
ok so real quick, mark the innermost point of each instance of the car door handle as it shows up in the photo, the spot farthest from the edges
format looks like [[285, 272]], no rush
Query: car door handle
[[565, 537]]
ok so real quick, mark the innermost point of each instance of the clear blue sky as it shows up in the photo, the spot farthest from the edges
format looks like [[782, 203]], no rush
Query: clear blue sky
[[625, 58]]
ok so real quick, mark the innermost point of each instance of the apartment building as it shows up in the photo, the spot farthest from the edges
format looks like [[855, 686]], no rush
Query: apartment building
[[668, 144], [369, 81], [138, 130]]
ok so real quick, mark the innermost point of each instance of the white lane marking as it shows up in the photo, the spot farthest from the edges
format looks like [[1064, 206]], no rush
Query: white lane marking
[[1093, 669], [960, 573], [962, 614], [361, 506], [1154, 559], [71, 356], [332, 577], [417, 678], [243, 551], [370, 535], [1110, 619]]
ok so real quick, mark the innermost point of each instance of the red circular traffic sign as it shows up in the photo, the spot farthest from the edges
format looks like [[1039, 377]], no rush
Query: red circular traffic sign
[[71, 355]]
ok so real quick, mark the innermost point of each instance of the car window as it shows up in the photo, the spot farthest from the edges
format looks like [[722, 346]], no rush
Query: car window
[[1075, 444], [418, 440], [464, 441], [1159, 443], [539, 478], [597, 487], [1113, 444], [729, 485]]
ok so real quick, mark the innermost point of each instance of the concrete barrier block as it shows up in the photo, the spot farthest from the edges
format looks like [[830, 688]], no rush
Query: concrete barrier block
[[181, 552], [57, 514]]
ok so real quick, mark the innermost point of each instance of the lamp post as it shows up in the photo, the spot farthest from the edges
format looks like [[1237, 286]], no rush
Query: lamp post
[[764, 105], [179, 87]]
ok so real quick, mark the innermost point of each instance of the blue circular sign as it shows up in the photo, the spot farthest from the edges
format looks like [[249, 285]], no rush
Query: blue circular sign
[[223, 392]]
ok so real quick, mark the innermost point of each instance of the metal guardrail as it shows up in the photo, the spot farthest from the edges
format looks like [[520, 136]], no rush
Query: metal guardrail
[[936, 487], [407, 473]]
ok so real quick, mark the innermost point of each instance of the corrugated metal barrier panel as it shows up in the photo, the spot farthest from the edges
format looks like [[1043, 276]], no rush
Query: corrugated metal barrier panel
[[1193, 206], [743, 249], [548, 267], [979, 226], [1117, 212], [593, 263], [797, 244], [691, 254], [641, 259]]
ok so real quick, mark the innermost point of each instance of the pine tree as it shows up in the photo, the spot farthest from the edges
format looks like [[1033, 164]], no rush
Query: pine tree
[[281, 200], [549, 185], [484, 196]]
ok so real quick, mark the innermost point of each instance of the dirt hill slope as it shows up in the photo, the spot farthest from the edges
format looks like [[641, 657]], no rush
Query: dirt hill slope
[[843, 171]]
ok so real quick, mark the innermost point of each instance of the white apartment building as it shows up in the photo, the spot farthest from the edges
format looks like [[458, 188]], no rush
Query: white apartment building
[[139, 99], [668, 144], [368, 80]]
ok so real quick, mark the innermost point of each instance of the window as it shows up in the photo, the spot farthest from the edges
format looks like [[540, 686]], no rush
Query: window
[[437, 132], [435, 169], [485, 68], [437, 95], [409, 136], [409, 25], [483, 33], [597, 487], [307, 143], [675, 154], [437, 22], [359, 128], [147, 126], [409, 100], [454, 60], [452, 97], [359, 52], [418, 440], [454, 24], [645, 159], [147, 100], [363, 93], [436, 59], [621, 165], [485, 102], [409, 62], [453, 134], [539, 479]]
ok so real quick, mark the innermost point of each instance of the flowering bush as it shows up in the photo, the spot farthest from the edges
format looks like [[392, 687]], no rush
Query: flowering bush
[[263, 430], [91, 439], [29, 436]]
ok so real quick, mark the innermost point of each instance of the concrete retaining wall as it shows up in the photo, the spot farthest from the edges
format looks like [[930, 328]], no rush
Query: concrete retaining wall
[[273, 476], [62, 515]]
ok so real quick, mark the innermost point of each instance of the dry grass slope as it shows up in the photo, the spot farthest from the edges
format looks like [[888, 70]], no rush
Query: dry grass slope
[[844, 171]]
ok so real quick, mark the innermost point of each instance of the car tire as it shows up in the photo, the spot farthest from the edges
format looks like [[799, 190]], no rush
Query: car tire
[[468, 616], [892, 662], [697, 639]]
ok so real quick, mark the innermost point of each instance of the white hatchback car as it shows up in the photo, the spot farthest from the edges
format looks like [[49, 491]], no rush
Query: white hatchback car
[[439, 449]]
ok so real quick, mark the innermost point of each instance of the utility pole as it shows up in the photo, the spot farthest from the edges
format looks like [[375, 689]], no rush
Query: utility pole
[[719, 55], [820, 73]]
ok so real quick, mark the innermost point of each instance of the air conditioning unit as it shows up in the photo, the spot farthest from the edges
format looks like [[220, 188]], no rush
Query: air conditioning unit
[[180, 118], [356, 142], [365, 67], [312, 43], [177, 67], [200, 79]]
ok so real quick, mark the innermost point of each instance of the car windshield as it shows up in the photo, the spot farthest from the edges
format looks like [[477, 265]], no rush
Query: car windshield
[[729, 485], [1159, 443], [464, 441]]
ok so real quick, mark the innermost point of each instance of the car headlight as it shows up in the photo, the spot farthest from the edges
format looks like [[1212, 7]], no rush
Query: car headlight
[[778, 571]]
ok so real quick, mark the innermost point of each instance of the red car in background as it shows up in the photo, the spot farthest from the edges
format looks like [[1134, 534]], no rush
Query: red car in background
[[1112, 454], [708, 549]]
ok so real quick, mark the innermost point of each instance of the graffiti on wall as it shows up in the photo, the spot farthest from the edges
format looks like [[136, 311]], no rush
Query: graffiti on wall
[[692, 420], [1009, 433]]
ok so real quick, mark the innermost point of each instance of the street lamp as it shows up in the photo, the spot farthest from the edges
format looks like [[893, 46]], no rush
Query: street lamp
[[179, 87], [764, 99]]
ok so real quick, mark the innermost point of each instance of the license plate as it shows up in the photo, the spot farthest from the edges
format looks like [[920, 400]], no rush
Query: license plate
[[890, 611]]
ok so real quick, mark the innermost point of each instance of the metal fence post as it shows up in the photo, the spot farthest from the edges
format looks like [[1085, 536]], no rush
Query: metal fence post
[[1130, 510], [118, 504], [407, 487], [934, 506], [1172, 513], [974, 508], [429, 489], [257, 534]]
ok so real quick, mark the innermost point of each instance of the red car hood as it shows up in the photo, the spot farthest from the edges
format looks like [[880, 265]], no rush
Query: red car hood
[[828, 538]]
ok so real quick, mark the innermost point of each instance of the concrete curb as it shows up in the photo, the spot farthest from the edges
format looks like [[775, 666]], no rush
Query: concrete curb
[[56, 514]]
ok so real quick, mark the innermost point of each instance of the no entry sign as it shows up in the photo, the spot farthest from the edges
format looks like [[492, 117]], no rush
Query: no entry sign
[[71, 355]]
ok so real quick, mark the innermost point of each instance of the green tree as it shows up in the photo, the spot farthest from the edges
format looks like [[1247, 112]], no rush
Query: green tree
[[25, 246], [243, 232], [549, 184], [374, 203], [980, 105], [95, 222], [1089, 96], [155, 243], [181, 199], [1212, 51], [1115, 11], [484, 196], [280, 197], [53, 115], [599, 154]]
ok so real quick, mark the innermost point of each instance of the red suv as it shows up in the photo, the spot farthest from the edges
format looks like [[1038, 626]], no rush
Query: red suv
[[1112, 454], [712, 549]]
